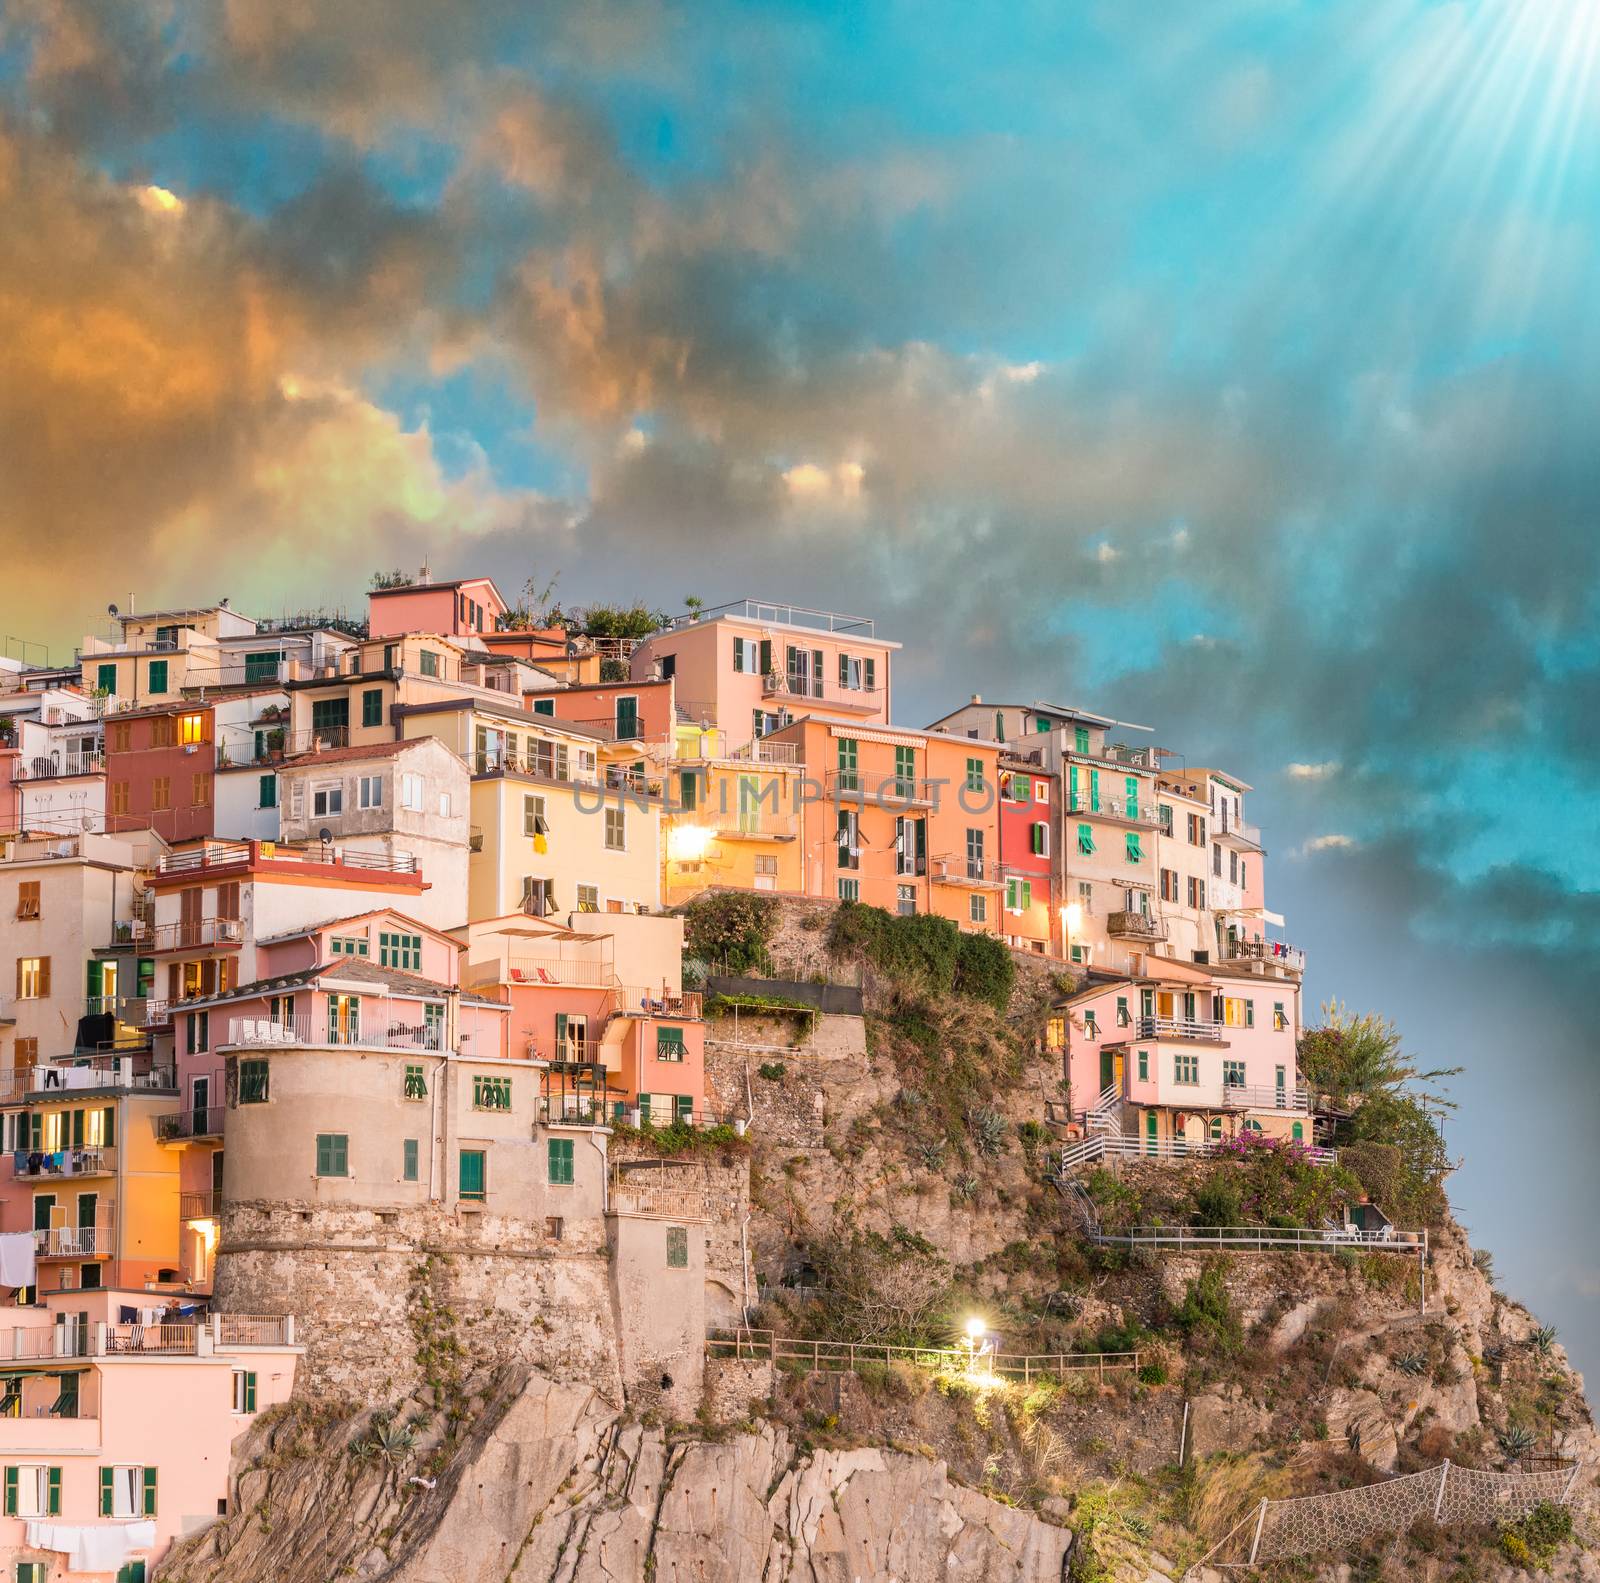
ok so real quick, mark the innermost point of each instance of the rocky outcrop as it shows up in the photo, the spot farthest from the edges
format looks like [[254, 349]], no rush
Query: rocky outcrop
[[548, 1485]]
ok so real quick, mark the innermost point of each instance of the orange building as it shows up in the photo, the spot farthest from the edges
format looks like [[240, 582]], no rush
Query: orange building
[[904, 820]]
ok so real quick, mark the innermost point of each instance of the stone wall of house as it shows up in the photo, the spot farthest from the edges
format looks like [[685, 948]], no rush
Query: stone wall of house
[[367, 1287], [787, 1107]]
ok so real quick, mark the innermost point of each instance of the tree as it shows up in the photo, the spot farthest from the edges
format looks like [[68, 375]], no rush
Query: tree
[[1353, 1058]]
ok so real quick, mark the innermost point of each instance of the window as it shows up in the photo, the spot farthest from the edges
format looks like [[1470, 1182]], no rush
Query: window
[[491, 1093], [1019, 788], [538, 896], [349, 945], [244, 1390], [1165, 810], [198, 1032], [906, 900], [533, 819], [33, 977], [403, 951], [106, 678], [627, 716], [1185, 1068], [588, 898], [1235, 1012], [261, 666], [848, 753], [428, 661], [849, 890], [1147, 1003], [616, 830], [433, 1024], [409, 1165], [253, 1082], [1196, 830], [416, 1083], [267, 792], [1123, 1016], [1280, 1019], [444, 804], [688, 791], [160, 791], [28, 899], [331, 717], [1216, 860], [1131, 791], [1019, 895], [849, 839], [1091, 1028], [744, 655], [37, 1571], [977, 909], [33, 1491], [1080, 739], [670, 1045], [127, 1492], [344, 1019], [1135, 855], [158, 676], [119, 797], [1197, 892], [372, 706], [1086, 840], [162, 734], [1233, 1074], [974, 774], [560, 1162], [1086, 897], [677, 1247], [369, 791], [905, 772], [1039, 838], [1144, 1066], [191, 729], [974, 854], [1169, 884], [333, 1154]]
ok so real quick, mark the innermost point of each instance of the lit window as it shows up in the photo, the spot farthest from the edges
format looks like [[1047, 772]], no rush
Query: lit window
[[191, 728]]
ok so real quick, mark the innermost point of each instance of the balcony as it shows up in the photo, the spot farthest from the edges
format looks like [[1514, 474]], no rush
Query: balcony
[[885, 791], [777, 615], [1136, 926], [189, 1126], [98, 1075], [76, 1242], [376, 1029], [58, 766], [36, 1165], [553, 970], [196, 934], [969, 873], [199, 1206], [1240, 836], [266, 855], [1116, 809], [1270, 952], [639, 1000], [1179, 1028], [1261, 1096]]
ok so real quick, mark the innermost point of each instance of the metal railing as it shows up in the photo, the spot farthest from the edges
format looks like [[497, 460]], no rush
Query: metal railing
[[1290, 956], [65, 1077], [844, 1357], [253, 1330], [58, 766], [553, 970], [199, 1206], [203, 1121], [1123, 1146], [657, 1201], [73, 1242], [1237, 832], [761, 751], [381, 1031], [1113, 808], [1134, 925], [125, 1008], [1177, 1028], [639, 1000], [778, 615], [957, 870], [890, 790], [182, 1340], [35, 1164], [196, 933], [1268, 1239], [234, 854]]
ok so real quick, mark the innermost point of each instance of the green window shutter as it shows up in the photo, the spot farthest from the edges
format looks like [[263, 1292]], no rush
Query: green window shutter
[[1026, 893], [105, 1492], [1133, 848], [1094, 791], [1072, 786], [108, 1126], [1249, 1014], [561, 1029], [844, 669], [1080, 739], [766, 656], [627, 717], [1086, 840], [250, 1391], [869, 674], [149, 1492], [53, 1485], [472, 1174], [1011, 895], [409, 1160], [974, 774], [107, 679], [544, 706], [268, 796], [11, 1492], [677, 1247], [333, 1154], [372, 707], [688, 790], [1144, 1066], [738, 655], [1041, 724], [560, 1160], [1132, 785], [158, 676]]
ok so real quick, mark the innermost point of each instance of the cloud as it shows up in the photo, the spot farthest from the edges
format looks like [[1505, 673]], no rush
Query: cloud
[[1332, 842], [1312, 772]]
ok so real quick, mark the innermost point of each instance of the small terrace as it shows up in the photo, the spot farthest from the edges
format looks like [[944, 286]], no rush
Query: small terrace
[[1136, 926], [1237, 834], [98, 1241], [1117, 809], [98, 1074], [37, 1165], [267, 855], [196, 934], [1179, 1028], [379, 1025], [891, 791], [190, 1126], [969, 873], [776, 615], [1271, 952], [58, 766]]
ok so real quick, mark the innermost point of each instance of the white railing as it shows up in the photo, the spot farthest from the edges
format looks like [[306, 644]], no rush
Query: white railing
[[1268, 1239], [1113, 808], [959, 870], [70, 1242], [1237, 830], [253, 1330], [760, 751], [779, 615], [30, 1164], [118, 1072], [552, 970], [230, 854], [1177, 1028], [1290, 956], [375, 1028], [214, 854], [1122, 1146], [57, 765]]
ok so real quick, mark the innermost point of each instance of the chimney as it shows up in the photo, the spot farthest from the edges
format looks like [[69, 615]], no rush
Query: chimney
[[977, 698]]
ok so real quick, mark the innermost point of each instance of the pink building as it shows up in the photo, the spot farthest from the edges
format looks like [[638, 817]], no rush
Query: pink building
[[623, 711], [749, 667], [1178, 1054], [455, 609], [97, 1484]]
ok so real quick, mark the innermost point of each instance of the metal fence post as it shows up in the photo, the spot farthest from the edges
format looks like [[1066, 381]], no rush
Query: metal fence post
[[1444, 1478], [1255, 1543]]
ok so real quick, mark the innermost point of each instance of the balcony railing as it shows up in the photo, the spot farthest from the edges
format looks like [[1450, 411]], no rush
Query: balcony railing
[[638, 1000], [253, 1330], [381, 1030], [1263, 1096], [125, 1008], [1237, 833], [966, 871], [1113, 808], [236, 854], [889, 790], [1290, 956], [116, 1072], [199, 1206], [1177, 1028], [1136, 926], [552, 970], [131, 931], [58, 766], [196, 933], [778, 615], [202, 1121], [74, 1242], [761, 751], [37, 1164]]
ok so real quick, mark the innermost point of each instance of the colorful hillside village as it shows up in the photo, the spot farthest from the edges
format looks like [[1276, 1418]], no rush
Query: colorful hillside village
[[379, 913]]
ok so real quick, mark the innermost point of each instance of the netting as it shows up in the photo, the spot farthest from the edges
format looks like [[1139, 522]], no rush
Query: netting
[[1333, 1523]]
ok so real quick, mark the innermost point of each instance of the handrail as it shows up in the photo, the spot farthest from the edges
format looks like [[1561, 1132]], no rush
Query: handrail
[[1122, 1146], [844, 1357], [1268, 1239]]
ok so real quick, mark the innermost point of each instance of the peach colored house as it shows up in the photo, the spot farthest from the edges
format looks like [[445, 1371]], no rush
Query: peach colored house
[[96, 1482], [746, 668], [904, 820], [623, 711], [458, 608], [598, 1001], [1183, 1053]]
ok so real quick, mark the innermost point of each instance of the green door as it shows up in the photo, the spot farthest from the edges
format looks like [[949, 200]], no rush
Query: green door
[[627, 717], [42, 1205], [1105, 1070], [1150, 1132]]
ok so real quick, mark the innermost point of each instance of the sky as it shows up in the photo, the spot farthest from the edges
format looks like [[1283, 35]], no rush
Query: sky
[[1231, 368]]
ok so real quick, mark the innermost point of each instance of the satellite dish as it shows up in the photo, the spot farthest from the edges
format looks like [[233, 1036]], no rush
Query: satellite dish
[[111, 610], [325, 835]]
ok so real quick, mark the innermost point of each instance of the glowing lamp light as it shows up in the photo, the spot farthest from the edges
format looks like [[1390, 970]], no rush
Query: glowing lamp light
[[975, 1328], [1072, 917], [688, 843]]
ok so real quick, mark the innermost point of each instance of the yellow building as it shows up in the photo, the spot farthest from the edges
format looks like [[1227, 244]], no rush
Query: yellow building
[[564, 817], [732, 816]]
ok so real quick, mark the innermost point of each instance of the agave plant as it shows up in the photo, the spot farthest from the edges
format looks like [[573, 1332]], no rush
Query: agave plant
[[1516, 1441], [388, 1441], [988, 1129], [1412, 1363], [932, 1154], [1542, 1340], [1483, 1262]]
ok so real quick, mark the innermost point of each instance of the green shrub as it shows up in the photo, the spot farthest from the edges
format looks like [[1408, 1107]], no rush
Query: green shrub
[[731, 931], [1532, 1540], [985, 969], [1153, 1374], [772, 1071], [1206, 1315], [1219, 1202], [918, 951]]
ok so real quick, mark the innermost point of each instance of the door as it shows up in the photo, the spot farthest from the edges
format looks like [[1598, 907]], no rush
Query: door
[[1279, 1087], [44, 1205], [199, 1103], [1151, 1142], [627, 717], [1107, 1070], [88, 1205]]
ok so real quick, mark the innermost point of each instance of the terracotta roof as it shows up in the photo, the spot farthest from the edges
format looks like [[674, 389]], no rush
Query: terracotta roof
[[370, 750]]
